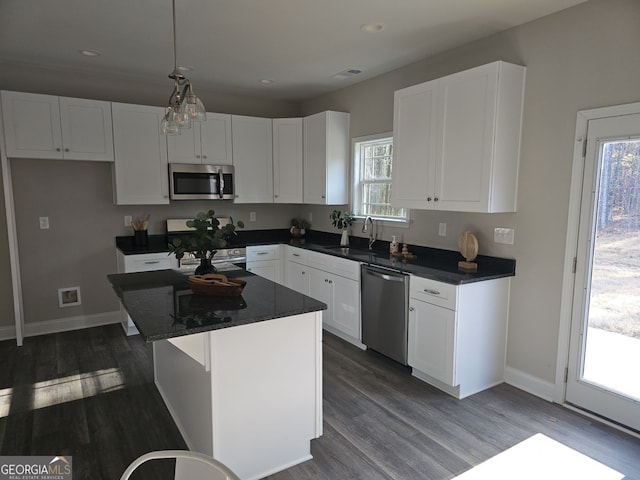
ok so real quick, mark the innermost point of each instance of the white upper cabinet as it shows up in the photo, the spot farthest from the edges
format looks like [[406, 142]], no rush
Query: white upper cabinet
[[252, 159], [287, 160], [140, 171], [326, 158], [457, 141], [414, 145], [46, 126], [207, 142]]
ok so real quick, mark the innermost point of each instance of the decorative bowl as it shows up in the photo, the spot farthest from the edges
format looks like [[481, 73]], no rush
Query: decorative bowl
[[215, 284]]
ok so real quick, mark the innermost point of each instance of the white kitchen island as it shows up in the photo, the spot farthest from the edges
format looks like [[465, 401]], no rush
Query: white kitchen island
[[242, 386]]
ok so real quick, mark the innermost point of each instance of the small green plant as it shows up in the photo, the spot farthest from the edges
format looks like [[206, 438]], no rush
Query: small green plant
[[206, 238], [301, 223], [341, 221]]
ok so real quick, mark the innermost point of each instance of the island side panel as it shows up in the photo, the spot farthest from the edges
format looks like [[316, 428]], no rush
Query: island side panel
[[267, 393], [185, 387]]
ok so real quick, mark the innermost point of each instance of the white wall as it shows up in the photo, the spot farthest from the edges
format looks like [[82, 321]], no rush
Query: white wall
[[580, 58]]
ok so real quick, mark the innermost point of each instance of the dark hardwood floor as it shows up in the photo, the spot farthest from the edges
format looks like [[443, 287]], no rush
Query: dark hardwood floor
[[90, 394]]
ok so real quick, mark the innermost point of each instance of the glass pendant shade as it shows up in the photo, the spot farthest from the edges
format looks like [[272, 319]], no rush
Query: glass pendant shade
[[181, 116], [194, 106], [169, 125]]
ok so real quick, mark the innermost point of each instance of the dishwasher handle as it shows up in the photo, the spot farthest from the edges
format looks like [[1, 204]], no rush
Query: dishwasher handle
[[390, 277]]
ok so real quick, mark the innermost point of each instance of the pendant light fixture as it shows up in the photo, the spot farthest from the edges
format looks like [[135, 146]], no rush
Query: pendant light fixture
[[184, 105]]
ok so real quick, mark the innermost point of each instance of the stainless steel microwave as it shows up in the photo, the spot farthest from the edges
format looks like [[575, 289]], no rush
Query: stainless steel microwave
[[200, 182]]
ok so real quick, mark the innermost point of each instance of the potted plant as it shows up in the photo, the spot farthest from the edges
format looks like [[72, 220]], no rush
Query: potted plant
[[206, 238], [342, 222], [299, 226]]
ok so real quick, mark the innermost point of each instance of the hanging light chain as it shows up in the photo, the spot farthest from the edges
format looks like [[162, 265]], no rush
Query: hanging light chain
[[184, 106]]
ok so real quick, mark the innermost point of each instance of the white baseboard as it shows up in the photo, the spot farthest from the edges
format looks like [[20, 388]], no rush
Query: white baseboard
[[529, 383], [70, 323]]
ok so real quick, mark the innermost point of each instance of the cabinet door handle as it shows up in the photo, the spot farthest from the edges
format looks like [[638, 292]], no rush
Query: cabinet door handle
[[197, 156], [204, 156], [330, 281], [58, 149], [66, 149], [436, 199], [428, 199], [411, 309], [432, 292], [151, 262]]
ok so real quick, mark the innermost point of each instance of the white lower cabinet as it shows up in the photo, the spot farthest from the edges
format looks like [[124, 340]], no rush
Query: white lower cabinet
[[332, 280], [296, 271], [144, 262], [265, 261], [457, 334]]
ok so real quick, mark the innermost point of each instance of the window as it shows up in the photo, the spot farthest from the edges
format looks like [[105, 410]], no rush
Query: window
[[373, 159]]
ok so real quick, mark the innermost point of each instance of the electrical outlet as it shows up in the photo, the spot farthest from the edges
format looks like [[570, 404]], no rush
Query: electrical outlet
[[503, 235], [44, 223], [310, 217], [442, 229], [252, 216], [127, 220]]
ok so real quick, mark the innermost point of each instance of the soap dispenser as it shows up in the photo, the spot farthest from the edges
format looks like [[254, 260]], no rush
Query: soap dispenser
[[393, 246]]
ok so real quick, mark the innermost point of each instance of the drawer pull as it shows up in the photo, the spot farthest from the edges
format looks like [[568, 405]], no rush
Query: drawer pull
[[295, 254], [262, 253], [431, 292], [151, 262]]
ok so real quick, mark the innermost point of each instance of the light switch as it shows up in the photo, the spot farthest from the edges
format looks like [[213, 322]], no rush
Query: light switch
[[252, 216], [442, 229], [127, 220], [44, 223]]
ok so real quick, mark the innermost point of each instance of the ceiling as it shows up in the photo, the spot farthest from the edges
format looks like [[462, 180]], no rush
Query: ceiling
[[299, 45]]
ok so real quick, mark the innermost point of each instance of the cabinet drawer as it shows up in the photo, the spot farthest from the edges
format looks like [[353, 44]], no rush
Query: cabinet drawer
[[297, 255], [338, 266], [265, 252], [149, 261], [431, 291]]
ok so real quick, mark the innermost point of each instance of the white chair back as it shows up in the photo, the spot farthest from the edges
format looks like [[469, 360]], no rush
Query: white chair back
[[189, 466]]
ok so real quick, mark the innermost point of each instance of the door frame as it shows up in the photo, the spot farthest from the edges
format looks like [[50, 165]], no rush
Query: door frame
[[571, 244]]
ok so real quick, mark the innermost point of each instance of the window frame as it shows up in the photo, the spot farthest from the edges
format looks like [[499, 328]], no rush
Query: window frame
[[356, 182]]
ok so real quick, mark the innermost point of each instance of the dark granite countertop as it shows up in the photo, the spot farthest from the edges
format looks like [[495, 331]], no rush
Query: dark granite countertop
[[434, 263], [162, 306], [155, 244]]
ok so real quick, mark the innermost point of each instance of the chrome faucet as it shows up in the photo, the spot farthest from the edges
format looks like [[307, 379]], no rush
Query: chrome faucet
[[369, 228]]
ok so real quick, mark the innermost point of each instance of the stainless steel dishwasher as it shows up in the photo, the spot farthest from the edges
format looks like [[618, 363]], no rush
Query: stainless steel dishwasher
[[384, 309]]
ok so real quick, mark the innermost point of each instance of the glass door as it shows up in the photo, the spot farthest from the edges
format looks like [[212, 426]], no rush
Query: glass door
[[604, 360]]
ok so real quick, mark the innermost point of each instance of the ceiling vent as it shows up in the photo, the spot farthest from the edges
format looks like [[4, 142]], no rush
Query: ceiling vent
[[352, 72]]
